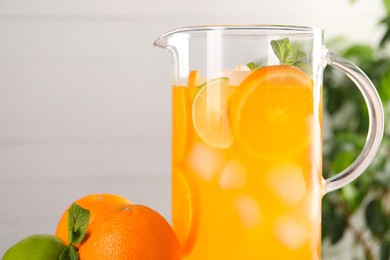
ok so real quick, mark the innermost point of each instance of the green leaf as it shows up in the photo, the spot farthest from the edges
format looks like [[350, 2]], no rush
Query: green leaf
[[78, 221], [384, 252], [375, 218], [304, 67], [355, 139], [334, 221], [281, 49], [385, 38], [349, 194], [387, 5], [342, 160], [69, 253], [333, 98], [378, 68], [359, 52], [289, 54], [297, 55], [339, 225], [384, 87], [253, 66]]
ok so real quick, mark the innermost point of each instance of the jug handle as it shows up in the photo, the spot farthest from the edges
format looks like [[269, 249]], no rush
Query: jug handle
[[375, 128]]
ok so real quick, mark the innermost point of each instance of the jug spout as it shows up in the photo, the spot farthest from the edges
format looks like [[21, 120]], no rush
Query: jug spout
[[161, 41], [198, 48], [169, 39], [177, 42]]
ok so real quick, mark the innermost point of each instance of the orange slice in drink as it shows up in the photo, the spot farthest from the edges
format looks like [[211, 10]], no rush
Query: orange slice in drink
[[210, 113], [185, 211], [270, 111], [193, 78], [181, 120], [180, 123]]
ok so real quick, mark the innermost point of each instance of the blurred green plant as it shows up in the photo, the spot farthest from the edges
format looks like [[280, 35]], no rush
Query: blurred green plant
[[362, 208]]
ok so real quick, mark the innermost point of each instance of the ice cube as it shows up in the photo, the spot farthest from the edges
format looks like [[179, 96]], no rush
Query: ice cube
[[288, 182], [233, 176], [204, 161], [292, 234], [248, 210], [242, 67], [236, 76]]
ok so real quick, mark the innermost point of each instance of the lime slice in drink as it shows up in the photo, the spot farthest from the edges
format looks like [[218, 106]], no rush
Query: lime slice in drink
[[210, 113]]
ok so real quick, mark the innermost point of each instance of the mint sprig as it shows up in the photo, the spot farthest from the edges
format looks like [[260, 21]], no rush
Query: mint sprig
[[253, 65], [289, 54], [69, 253], [78, 222]]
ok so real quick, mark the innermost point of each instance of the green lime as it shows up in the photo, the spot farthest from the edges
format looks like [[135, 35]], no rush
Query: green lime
[[210, 113], [36, 247]]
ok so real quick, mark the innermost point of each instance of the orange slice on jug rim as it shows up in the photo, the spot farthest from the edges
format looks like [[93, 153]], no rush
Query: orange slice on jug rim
[[271, 111]]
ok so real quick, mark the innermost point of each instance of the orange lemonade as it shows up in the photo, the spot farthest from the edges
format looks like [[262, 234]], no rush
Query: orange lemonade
[[246, 165]]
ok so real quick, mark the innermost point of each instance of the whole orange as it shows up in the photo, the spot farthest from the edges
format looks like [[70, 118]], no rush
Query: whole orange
[[95, 203], [130, 231]]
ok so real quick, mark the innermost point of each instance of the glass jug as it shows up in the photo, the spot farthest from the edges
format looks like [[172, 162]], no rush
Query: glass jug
[[247, 139]]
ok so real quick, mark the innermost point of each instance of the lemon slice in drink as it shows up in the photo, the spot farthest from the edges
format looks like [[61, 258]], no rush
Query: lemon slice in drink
[[210, 113]]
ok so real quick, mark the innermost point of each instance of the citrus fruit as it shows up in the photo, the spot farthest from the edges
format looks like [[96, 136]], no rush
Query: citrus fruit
[[36, 247], [210, 113], [181, 100], [130, 231], [270, 111], [95, 203], [193, 78], [185, 211]]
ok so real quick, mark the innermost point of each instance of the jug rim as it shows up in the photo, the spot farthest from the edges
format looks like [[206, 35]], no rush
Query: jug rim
[[282, 29]]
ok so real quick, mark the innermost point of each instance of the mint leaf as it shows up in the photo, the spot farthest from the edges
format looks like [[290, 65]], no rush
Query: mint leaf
[[69, 253], [304, 67], [297, 55], [289, 54], [281, 49], [253, 66], [78, 221]]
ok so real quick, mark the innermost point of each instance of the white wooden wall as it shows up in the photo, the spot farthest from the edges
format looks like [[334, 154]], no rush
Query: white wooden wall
[[85, 98]]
